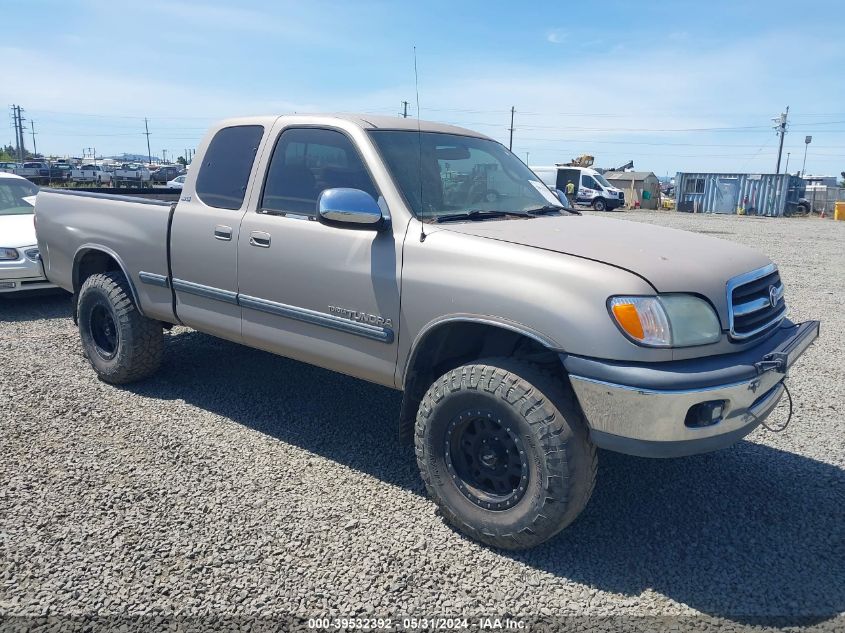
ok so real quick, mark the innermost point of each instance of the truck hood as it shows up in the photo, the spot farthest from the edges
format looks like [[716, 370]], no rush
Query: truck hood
[[669, 259], [17, 230]]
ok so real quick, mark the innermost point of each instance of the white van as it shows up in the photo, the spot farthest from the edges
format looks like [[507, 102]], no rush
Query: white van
[[591, 187]]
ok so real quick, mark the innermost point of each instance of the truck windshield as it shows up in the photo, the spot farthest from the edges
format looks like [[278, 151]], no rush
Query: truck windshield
[[12, 194], [602, 181], [453, 175]]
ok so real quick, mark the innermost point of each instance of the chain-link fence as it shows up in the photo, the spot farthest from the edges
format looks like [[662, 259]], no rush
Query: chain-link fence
[[823, 199]]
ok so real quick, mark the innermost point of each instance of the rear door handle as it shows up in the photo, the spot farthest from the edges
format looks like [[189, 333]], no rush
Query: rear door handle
[[260, 239], [222, 232]]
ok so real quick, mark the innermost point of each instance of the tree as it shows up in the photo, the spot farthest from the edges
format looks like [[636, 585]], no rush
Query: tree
[[8, 154], [181, 160]]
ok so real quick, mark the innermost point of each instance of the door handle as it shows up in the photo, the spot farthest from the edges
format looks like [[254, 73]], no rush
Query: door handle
[[222, 232], [260, 239]]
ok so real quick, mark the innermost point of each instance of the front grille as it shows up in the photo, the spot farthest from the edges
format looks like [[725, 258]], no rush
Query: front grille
[[755, 302]]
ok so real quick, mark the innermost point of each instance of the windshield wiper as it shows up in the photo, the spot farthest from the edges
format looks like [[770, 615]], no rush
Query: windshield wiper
[[475, 214], [551, 208]]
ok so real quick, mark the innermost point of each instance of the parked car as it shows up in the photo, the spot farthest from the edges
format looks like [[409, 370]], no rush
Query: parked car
[[527, 337], [60, 172], [131, 174], [177, 183], [591, 188], [35, 171], [20, 265], [91, 173], [8, 168], [166, 173]]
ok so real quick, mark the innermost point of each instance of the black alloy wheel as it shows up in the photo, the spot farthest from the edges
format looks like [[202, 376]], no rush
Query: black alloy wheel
[[486, 458]]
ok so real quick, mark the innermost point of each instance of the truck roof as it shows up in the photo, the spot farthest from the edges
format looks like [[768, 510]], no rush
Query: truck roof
[[364, 121]]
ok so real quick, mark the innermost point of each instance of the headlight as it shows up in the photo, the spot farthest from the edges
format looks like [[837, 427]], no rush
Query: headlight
[[675, 320], [8, 253]]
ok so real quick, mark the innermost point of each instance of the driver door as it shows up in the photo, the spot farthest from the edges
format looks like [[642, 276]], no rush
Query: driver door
[[325, 295]]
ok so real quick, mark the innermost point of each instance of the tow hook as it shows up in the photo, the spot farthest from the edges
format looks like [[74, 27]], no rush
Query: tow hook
[[776, 361]]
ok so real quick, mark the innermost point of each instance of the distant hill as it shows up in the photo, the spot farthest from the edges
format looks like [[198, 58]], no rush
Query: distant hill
[[134, 158]]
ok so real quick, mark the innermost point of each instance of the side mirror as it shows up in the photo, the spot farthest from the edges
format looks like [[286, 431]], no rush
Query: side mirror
[[562, 197], [565, 202], [350, 208]]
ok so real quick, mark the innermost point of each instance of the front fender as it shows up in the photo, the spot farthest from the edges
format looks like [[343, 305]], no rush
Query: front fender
[[557, 299]]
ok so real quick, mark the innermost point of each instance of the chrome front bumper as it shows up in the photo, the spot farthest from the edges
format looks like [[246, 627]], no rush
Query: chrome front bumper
[[650, 420]]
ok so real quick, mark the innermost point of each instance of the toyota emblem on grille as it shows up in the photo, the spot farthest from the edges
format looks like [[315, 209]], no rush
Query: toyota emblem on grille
[[773, 296]]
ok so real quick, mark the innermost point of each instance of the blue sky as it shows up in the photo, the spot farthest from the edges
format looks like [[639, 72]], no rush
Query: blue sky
[[672, 86]]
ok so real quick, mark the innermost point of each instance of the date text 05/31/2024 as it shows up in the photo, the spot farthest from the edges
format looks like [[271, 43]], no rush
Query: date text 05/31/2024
[[414, 624]]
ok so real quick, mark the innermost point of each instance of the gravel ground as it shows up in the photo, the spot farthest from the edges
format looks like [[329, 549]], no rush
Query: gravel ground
[[240, 485]]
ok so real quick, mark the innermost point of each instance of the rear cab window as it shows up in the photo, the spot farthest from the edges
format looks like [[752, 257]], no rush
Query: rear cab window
[[226, 166]]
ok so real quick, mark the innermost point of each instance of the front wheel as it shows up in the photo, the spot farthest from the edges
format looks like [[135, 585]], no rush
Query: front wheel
[[599, 204], [504, 452], [122, 345]]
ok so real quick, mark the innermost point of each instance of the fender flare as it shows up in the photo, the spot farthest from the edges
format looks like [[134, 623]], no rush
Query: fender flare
[[86, 248], [491, 320]]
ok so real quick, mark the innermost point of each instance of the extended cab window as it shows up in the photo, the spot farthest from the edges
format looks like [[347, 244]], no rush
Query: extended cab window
[[226, 166], [307, 161]]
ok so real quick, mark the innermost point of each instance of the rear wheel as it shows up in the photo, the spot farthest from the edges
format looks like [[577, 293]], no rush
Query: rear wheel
[[504, 452], [599, 204], [122, 345]]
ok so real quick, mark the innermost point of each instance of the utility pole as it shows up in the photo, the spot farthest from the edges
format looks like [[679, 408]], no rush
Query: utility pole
[[510, 143], [786, 169], [34, 146], [17, 135], [149, 152], [780, 127], [404, 113], [16, 115], [20, 131], [164, 156], [807, 141]]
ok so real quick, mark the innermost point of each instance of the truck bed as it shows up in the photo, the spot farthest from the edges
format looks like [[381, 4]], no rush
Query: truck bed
[[132, 229]]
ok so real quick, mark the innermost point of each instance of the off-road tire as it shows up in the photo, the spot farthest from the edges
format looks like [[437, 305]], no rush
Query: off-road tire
[[600, 205], [561, 459], [140, 341]]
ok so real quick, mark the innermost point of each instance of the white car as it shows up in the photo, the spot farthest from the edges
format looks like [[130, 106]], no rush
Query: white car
[[90, 173], [176, 183], [20, 264]]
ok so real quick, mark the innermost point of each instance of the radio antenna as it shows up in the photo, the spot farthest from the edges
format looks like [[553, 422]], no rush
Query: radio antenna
[[419, 142]]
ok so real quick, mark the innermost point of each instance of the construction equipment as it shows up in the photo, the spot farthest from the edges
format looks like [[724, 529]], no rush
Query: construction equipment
[[584, 160]]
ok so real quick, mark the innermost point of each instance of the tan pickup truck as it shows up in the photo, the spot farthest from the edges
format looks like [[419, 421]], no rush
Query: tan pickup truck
[[430, 259]]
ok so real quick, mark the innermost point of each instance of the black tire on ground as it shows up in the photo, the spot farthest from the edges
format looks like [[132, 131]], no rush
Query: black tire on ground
[[122, 345], [599, 204], [534, 426]]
